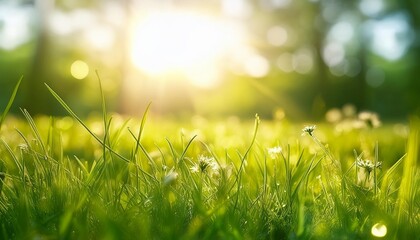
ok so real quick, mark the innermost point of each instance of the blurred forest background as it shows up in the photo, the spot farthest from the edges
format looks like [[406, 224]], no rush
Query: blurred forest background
[[213, 58]]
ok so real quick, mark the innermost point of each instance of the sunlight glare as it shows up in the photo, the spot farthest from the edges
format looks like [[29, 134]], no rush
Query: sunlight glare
[[257, 66], [14, 26], [180, 43], [100, 37]]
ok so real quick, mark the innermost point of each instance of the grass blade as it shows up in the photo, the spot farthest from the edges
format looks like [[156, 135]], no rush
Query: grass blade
[[406, 192], [186, 148], [149, 158], [9, 104], [35, 131], [74, 115], [12, 154], [143, 122]]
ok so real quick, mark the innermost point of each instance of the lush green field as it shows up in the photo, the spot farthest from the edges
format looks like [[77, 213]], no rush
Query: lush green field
[[111, 177]]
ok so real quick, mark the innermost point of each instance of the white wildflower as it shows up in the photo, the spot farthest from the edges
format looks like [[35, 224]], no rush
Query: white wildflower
[[170, 178], [308, 130], [364, 176], [368, 165], [195, 168], [370, 119], [205, 165], [274, 152], [23, 146]]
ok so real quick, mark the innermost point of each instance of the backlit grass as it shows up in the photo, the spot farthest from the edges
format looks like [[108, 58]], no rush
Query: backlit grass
[[113, 177]]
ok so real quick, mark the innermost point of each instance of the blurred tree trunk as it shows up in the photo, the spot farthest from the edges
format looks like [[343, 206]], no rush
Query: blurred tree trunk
[[321, 97], [125, 66], [361, 100], [36, 98], [412, 96]]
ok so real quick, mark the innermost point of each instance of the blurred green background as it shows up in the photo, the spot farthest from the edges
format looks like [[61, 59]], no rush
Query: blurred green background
[[214, 58]]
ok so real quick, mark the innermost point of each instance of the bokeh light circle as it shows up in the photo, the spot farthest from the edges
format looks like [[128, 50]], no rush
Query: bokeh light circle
[[379, 230], [79, 69]]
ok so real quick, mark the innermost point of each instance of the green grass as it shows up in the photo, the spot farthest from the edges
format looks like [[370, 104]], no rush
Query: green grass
[[110, 177]]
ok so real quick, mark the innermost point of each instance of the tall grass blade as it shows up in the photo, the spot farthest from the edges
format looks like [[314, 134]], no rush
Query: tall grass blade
[[12, 154], [104, 112], [387, 176], [105, 120], [181, 158], [139, 145], [35, 131], [309, 169], [173, 152], [54, 141], [81, 165], [408, 182], [238, 179], [375, 175], [116, 136], [143, 122], [74, 115], [9, 104], [70, 111]]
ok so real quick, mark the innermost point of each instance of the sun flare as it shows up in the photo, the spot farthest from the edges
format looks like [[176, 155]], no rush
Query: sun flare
[[179, 43]]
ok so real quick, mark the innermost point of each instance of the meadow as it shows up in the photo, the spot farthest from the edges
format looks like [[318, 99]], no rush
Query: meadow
[[117, 177]]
